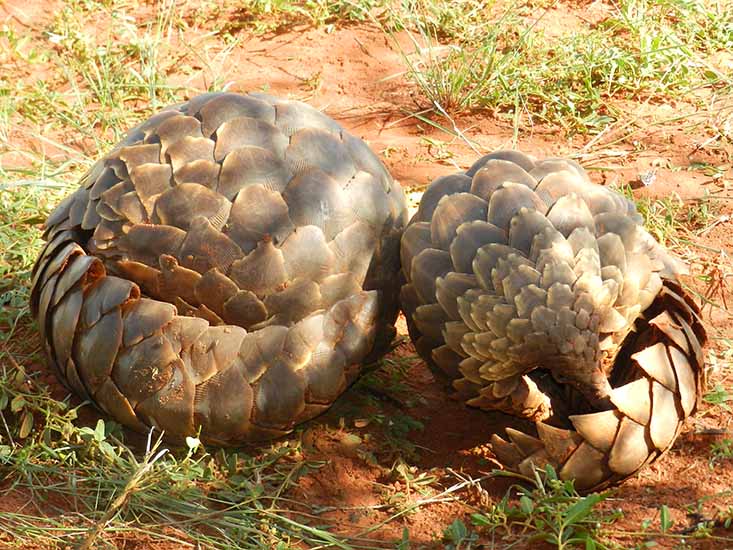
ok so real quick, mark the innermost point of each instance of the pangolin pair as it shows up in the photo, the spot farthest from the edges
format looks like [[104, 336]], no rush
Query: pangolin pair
[[231, 264]]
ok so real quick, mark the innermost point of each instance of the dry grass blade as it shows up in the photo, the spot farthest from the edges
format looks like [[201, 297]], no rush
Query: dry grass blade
[[152, 455]]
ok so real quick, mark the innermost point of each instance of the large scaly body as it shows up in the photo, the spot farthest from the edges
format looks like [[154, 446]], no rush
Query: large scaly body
[[227, 268]]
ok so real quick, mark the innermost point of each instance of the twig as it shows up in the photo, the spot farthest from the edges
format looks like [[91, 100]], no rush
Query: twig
[[130, 487]]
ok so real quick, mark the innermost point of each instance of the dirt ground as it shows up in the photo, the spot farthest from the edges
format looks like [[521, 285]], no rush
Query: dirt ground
[[355, 75]]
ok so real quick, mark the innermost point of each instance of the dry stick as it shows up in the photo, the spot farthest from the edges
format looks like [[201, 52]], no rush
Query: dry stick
[[456, 129], [130, 487]]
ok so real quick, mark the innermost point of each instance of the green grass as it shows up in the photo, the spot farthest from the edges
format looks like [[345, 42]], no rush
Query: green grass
[[550, 511], [24, 208], [88, 485], [273, 16], [497, 59]]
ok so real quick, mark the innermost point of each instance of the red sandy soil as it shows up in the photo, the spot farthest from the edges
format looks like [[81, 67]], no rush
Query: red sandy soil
[[360, 82]]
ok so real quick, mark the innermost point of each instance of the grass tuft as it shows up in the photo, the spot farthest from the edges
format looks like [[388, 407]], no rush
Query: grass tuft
[[484, 57], [549, 510]]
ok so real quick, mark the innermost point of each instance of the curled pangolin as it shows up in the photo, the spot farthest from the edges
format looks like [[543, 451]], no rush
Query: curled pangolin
[[226, 269], [541, 295]]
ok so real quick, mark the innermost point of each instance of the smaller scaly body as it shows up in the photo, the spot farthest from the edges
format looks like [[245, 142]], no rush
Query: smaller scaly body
[[541, 295]]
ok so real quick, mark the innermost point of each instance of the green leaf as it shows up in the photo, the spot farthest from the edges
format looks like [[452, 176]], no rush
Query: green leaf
[[582, 508], [3, 400], [99, 431], [17, 403], [19, 378], [481, 520], [107, 449], [26, 425], [664, 519], [86, 430], [456, 531], [526, 505]]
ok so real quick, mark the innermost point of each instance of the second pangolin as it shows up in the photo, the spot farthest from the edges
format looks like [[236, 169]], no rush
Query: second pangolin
[[540, 294]]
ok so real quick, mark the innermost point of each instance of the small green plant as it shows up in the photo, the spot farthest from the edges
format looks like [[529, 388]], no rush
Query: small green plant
[[665, 521], [662, 218], [549, 510], [458, 537], [719, 396], [721, 450]]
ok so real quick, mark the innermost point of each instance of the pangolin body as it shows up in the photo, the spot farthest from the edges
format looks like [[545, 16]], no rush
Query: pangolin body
[[227, 269], [230, 265], [540, 294]]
